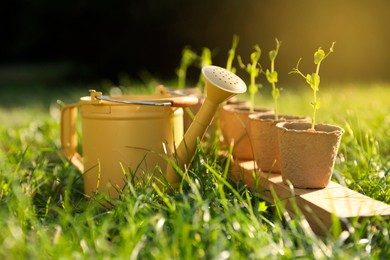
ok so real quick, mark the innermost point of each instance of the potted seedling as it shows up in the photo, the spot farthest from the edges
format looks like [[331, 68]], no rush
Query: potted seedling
[[204, 59], [232, 54], [264, 134], [230, 103], [308, 150], [234, 120], [188, 58], [253, 69], [229, 66]]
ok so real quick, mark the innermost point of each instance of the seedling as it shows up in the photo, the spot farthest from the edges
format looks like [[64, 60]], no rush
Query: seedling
[[314, 79], [272, 77], [187, 59], [232, 54], [253, 70], [204, 60]]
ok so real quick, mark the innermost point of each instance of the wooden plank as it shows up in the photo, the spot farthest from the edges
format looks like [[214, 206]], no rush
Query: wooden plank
[[317, 205]]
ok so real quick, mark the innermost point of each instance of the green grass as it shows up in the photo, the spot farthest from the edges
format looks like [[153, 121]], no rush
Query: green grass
[[44, 215]]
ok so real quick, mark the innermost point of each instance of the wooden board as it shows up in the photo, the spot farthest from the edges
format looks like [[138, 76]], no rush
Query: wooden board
[[317, 205]]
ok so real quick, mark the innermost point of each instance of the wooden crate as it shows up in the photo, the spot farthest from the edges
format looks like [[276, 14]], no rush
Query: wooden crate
[[317, 205]]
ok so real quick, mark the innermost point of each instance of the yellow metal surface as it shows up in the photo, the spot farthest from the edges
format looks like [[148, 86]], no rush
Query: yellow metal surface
[[118, 139]]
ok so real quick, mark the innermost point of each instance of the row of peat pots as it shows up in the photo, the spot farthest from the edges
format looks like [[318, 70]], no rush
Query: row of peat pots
[[288, 145]]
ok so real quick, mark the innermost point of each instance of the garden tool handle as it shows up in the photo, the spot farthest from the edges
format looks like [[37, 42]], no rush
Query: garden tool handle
[[184, 101], [69, 136], [179, 101]]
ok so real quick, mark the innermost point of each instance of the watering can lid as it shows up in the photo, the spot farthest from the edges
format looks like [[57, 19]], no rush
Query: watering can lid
[[148, 100]]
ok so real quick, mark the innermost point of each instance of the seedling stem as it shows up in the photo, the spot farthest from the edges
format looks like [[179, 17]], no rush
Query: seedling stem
[[272, 77], [232, 53], [253, 70], [314, 79]]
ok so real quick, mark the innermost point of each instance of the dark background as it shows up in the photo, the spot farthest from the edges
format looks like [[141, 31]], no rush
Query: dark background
[[102, 39]]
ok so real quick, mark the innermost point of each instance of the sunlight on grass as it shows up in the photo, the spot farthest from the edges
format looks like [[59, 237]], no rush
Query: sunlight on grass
[[44, 214]]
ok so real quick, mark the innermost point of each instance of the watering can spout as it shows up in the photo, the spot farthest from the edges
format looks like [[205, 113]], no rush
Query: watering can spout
[[221, 84]]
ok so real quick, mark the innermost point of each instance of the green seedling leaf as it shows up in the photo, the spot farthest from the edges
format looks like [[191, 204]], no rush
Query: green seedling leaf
[[262, 207], [272, 77], [313, 80], [309, 80], [319, 55], [315, 105], [255, 56], [272, 55]]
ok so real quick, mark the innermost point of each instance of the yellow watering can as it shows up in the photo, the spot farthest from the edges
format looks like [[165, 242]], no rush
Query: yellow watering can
[[132, 132]]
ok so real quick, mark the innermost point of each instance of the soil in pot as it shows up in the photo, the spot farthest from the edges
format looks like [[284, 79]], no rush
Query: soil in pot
[[308, 156], [265, 139], [234, 123]]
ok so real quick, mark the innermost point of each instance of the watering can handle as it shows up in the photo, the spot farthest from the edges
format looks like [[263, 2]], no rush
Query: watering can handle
[[179, 101], [69, 136]]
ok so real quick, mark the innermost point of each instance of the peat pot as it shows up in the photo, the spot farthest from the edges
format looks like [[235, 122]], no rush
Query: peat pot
[[265, 139], [308, 156], [234, 123]]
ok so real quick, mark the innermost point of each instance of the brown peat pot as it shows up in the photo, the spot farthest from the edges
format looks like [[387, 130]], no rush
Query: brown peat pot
[[265, 139], [308, 156], [234, 123]]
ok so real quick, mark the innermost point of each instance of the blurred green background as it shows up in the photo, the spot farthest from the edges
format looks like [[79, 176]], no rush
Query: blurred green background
[[89, 40]]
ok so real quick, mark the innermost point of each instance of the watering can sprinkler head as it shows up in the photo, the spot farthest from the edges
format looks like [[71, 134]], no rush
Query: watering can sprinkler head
[[221, 85]]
